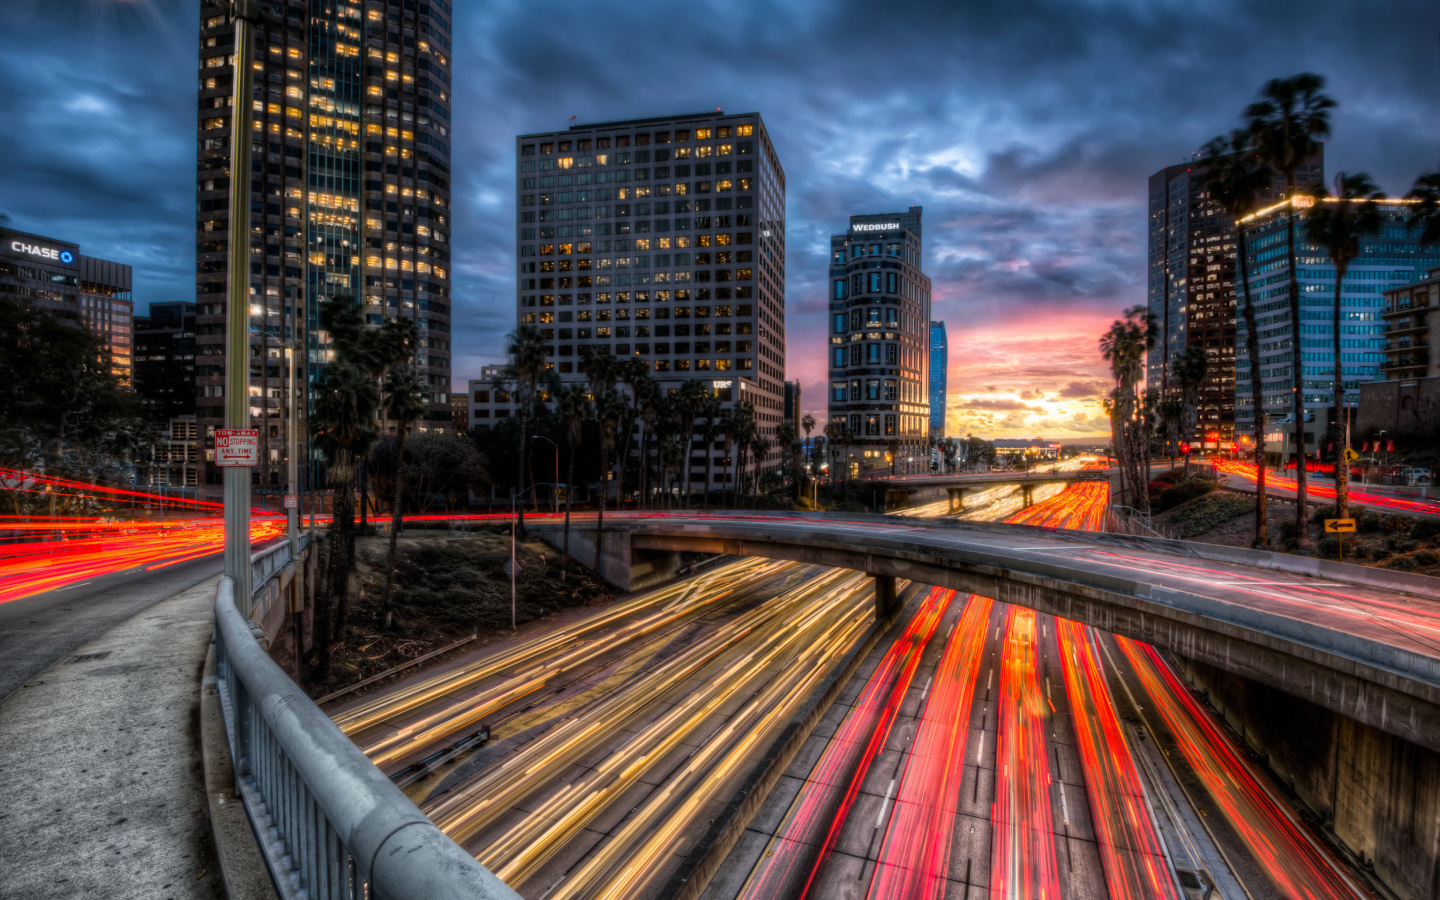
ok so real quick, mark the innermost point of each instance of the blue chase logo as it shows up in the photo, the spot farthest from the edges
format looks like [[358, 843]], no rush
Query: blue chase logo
[[67, 257]]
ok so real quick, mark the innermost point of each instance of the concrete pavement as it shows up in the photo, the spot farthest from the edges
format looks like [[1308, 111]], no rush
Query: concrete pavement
[[101, 788]]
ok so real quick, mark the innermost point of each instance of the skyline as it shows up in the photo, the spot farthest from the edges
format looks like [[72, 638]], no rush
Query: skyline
[[1031, 162]]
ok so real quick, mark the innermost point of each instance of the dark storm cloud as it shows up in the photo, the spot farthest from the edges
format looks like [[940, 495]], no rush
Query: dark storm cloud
[[1025, 129]]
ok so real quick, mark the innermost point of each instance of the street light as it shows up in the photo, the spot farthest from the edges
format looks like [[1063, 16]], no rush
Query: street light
[[513, 520], [554, 501]]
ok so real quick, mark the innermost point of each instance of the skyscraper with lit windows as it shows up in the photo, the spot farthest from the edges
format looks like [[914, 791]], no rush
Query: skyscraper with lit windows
[[350, 198], [663, 240], [879, 343], [939, 366]]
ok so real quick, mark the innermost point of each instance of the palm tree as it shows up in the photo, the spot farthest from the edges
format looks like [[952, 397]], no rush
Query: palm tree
[[635, 373], [1427, 211], [404, 403], [1190, 371], [710, 412], [1287, 125], [789, 446], [1125, 345], [1338, 226], [602, 370], [1235, 178], [1172, 416], [610, 411], [343, 422], [526, 349], [574, 408], [759, 448], [742, 424], [727, 431], [690, 403]]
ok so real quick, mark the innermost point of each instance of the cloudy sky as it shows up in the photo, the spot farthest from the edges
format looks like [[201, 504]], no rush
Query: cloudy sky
[[1025, 129]]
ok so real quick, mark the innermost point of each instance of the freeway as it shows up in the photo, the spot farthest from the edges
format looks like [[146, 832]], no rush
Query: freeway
[[1319, 491]]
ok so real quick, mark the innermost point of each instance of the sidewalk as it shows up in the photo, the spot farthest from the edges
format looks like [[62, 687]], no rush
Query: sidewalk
[[101, 788]]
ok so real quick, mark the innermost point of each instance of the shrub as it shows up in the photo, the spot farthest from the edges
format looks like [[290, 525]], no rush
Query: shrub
[[1424, 529], [1189, 489], [1211, 511]]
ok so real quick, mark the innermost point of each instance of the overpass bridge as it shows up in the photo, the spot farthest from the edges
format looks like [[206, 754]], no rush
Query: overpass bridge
[[1361, 642], [902, 492]]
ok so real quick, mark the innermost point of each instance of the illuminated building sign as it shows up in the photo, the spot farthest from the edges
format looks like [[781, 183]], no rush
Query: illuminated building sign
[[42, 252], [875, 226], [29, 247]]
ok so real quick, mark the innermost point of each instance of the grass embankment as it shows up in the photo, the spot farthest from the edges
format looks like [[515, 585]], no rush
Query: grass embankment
[[448, 587]]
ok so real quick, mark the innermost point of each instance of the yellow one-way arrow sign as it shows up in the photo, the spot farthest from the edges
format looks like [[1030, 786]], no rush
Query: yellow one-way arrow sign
[[1339, 526]]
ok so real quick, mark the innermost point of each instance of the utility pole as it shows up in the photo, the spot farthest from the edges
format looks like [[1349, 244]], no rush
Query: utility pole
[[237, 319]]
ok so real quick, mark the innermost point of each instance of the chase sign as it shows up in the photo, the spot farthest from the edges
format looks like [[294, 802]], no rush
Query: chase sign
[[28, 248]]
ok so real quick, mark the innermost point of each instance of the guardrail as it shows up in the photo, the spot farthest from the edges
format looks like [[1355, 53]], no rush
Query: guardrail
[[330, 824]]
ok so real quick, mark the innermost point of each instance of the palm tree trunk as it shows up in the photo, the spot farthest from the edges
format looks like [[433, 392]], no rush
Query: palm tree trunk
[[1342, 415], [1302, 526], [397, 518], [709, 472], [340, 586], [520, 475], [604, 491], [1257, 395], [569, 480]]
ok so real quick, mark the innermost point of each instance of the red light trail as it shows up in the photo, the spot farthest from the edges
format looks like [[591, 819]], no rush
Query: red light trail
[[1283, 847], [1022, 859], [1134, 861], [1326, 492], [857, 742], [915, 854]]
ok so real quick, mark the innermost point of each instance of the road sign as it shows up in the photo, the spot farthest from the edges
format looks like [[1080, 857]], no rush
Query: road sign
[[292, 502], [512, 568], [1351, 455], [237, 446], [1339, 526]]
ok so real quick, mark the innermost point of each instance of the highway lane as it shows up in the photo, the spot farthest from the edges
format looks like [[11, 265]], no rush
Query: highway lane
[[1321, 491]]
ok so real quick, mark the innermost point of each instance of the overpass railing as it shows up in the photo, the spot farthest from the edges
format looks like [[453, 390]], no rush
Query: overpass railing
[[330, 824]]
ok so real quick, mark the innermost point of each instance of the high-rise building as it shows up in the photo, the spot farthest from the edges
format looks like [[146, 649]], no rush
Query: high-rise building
[[1412, 330], [165, 359], [1191, 286], [44, 273], [939, 366], [662, 239], [349, 198], [879, 343], [1386, 260]]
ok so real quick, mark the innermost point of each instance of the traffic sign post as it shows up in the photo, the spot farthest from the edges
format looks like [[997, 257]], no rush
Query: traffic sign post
[[292, 502], [1340, 527]]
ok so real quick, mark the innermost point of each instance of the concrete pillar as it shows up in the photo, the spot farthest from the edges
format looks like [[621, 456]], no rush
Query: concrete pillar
[[885, 599], [1027, 494]]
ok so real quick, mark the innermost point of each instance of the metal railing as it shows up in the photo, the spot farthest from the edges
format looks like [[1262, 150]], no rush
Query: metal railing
[[330, 824]]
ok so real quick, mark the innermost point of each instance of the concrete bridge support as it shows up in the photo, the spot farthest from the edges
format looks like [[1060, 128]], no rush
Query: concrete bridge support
[[957, 499], [1377, 794], [1027, 495], [886, 599]]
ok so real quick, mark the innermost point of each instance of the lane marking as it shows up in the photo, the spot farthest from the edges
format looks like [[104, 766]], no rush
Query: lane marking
[[883, 803]]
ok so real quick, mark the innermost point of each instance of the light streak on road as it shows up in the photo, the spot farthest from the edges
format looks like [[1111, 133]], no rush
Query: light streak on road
[[474, 804], [1321, 491], [551, 652], [815, 817], [1135, 865], [1022, 858], [627, 863], [1284, 848], [914, 856], [1080, 506], [88, 548]]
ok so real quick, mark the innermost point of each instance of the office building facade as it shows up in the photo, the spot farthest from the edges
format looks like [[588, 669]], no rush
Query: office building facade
[[1390, 259], [1191, 286], [165, 359], [662, 239], [44, 273], [1410, 329], [879, 353], [939, 367], [350, 201]]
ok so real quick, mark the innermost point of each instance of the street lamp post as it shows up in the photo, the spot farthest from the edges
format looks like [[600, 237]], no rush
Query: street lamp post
[[514, 517], [554, 501], [237, 320]]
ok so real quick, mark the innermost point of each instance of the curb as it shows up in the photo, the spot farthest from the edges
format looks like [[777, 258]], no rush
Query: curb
[[710, 852], [243, 873]]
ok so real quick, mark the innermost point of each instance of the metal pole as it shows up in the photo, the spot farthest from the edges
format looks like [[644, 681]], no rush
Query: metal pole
[[292, 514], [512, 562], [237, 323]]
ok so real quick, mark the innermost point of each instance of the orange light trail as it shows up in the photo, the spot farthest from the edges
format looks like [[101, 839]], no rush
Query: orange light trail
[[1022, 858], [1080, 506], [914, 858], [1282, 846], [1134, 861]]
